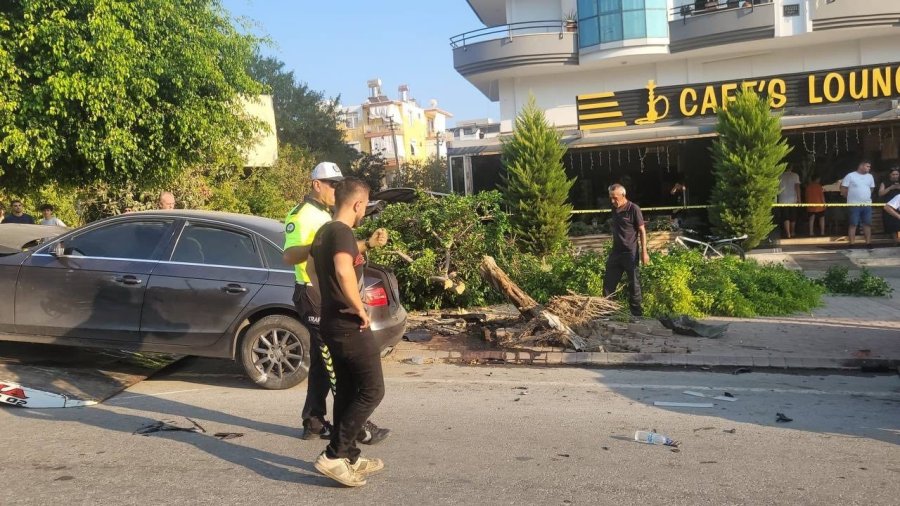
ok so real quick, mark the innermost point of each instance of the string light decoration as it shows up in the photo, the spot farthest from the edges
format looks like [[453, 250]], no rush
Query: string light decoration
[[668, 166], [641, 157]]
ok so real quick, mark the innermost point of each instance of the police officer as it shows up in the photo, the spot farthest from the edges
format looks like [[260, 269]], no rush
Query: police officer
[[301, 225]]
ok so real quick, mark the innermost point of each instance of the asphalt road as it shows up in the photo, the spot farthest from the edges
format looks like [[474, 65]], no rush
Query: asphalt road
[[473, 435]]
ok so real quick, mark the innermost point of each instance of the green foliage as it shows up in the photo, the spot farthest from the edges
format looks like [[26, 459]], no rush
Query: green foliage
[[559, 273], [444, 237], [536, 188], [837, 280], [683, 282], [123, 92], [305, 118], [430, 174], [368, 167], [747, 163]]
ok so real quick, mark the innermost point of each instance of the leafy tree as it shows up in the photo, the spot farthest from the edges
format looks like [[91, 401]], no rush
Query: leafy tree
[[430, 174], [370, 168], [747, 164], [305, 118], [536, 188], [119, 91]]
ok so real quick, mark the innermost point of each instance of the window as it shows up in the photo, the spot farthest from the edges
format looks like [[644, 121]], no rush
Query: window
[[137, 240], [202, 244], [274, 257], [605, 21]]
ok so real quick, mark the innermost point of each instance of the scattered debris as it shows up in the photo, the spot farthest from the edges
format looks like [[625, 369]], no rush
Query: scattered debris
[[651, 437], [170, 426], [577, 309], [687, 326], [563, 455], [26, 397], [468, 317], [742, 370], [728, 397], [708, 462], [418, 336], [704, 428], [417, 360], [726, 394], [228, 435], [683, 404], [604, 448], [730, 431], [781, 418], [675, 450], [517, 399]]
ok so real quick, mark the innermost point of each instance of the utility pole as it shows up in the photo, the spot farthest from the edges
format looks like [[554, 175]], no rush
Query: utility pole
[[390, 120]]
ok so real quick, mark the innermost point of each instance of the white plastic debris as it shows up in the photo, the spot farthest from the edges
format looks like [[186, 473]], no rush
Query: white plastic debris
[[24, 397]]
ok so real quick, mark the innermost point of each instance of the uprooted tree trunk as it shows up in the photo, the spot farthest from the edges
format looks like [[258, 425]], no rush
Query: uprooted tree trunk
[[494, 275]]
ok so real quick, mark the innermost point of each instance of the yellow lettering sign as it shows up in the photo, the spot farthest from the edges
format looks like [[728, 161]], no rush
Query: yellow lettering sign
[[685, 110], [777, 93], [881, 82], [813, 98], [859, 87], [709, 100], [727, 93], [827, 87]]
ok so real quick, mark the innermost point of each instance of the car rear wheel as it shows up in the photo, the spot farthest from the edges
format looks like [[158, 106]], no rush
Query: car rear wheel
[[275, 352]]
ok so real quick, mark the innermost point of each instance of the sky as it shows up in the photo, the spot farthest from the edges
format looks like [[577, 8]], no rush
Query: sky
[[336, 46]]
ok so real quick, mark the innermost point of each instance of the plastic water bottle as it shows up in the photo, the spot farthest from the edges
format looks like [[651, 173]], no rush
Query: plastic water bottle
[[644, 436]]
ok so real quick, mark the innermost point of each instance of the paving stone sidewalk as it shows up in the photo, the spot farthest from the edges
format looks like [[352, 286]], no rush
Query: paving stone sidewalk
[[847, 333]]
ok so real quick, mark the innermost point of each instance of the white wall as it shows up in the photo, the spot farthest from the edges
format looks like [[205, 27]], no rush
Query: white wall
[[794, 25], [556, 93], [533, 10]]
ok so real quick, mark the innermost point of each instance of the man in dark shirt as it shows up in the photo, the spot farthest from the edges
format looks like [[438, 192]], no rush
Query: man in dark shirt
[[336, 267], [18, 214], [627, 229]]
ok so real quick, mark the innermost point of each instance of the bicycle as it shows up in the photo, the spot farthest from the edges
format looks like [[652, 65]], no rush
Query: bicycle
[[715, 248]]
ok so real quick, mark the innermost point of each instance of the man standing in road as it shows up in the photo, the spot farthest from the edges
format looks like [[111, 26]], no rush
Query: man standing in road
[[627, 229], [301, 225], [337, 269], [18, 214], [857, 187]]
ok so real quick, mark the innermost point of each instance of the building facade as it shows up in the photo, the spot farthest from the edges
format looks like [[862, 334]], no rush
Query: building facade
[[399, 129], [633, 85]]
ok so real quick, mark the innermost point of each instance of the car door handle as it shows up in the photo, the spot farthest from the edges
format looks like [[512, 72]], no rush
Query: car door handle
[[128, 280], [234, 288]]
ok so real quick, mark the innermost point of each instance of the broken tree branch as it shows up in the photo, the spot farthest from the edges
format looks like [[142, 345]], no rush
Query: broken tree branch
[[494, 275]]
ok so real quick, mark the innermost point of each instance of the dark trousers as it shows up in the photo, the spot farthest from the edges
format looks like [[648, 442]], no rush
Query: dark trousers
[[625, 262], [318, 383], [360, 386]]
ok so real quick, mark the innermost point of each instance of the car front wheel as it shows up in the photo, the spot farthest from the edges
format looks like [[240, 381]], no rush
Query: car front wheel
[[275, 352]]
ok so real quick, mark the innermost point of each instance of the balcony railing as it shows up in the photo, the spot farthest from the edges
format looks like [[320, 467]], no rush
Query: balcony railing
[[711, 6], [509, 31]]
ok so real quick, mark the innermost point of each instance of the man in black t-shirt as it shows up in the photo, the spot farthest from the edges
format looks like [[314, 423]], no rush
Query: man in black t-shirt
[[336, 267], [627, 229], [18, 214]]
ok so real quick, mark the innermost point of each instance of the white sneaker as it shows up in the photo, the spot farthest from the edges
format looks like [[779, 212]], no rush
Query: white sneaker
[[340, 471], [366, 466]]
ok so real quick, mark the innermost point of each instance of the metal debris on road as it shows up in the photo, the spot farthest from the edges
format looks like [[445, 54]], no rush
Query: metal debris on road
[[730, 431], [683, 404], [169, 426], [228, 435], [742, 370], [781, 418]]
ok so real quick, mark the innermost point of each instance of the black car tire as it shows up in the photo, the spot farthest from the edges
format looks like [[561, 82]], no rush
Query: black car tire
[[275, 352]]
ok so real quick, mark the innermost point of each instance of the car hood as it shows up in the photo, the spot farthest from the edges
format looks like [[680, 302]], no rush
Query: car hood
[[14, 237]]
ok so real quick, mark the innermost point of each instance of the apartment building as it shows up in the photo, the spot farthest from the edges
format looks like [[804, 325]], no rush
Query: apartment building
[[634, 85]]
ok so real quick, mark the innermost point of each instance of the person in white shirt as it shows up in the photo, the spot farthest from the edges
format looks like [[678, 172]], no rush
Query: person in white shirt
[[857, 186], [49, 219], [788, 193]]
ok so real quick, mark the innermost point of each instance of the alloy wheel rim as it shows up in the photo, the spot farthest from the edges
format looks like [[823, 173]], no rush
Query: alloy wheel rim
[[278, 353]]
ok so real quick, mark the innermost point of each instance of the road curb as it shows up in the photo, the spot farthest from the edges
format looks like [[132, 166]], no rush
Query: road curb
[[601, 359]]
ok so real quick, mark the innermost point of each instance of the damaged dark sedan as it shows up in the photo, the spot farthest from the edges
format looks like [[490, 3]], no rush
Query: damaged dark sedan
[[197, 283]]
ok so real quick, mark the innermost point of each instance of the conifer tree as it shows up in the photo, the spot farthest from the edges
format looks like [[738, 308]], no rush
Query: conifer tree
[[747, 164], [536, 188]]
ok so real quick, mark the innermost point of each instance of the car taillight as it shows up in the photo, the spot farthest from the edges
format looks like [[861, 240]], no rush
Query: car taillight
[[376, 296]]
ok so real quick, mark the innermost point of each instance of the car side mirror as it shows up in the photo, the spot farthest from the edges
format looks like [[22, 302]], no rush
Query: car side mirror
[[58, 250]]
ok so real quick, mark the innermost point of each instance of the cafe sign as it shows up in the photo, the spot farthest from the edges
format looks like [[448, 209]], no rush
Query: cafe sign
[[654, 103]]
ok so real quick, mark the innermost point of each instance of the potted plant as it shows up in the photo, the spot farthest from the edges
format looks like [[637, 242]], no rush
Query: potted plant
[[570, 21]]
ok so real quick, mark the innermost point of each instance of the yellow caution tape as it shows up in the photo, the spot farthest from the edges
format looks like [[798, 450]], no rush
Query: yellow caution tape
[[681, 208]]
